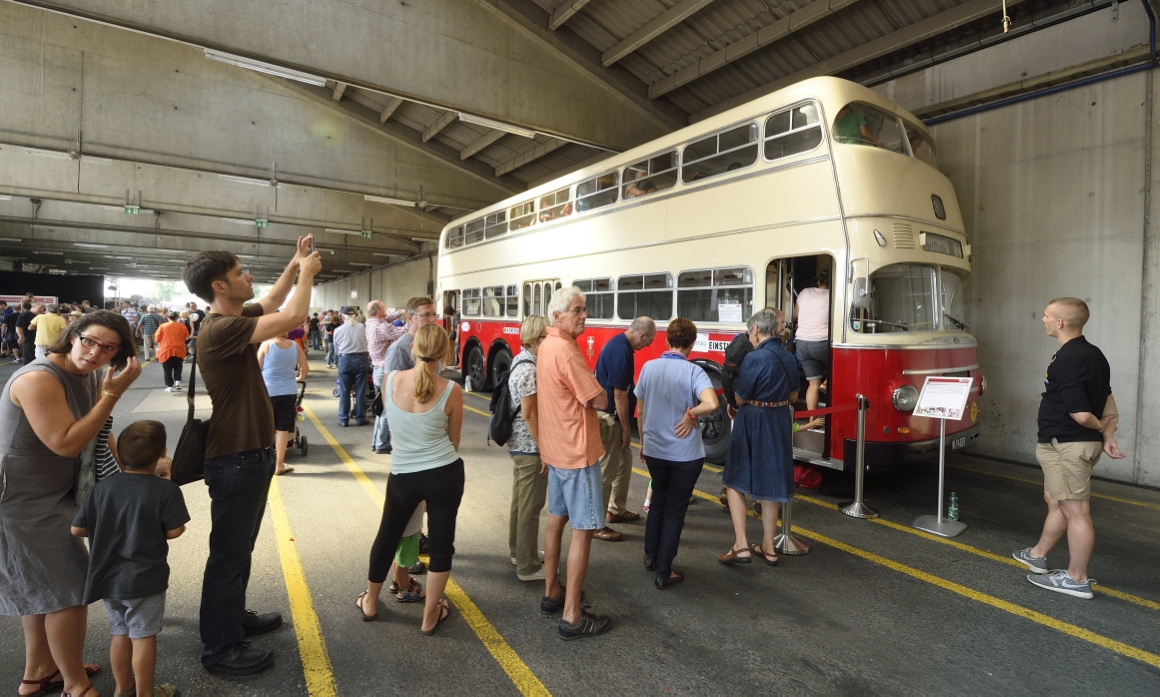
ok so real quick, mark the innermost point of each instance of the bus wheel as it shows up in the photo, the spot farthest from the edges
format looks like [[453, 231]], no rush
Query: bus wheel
[[716, 427], [475, 367], [499, 365]]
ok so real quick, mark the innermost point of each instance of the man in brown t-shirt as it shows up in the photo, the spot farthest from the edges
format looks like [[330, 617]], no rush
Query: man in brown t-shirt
[[239, 447]]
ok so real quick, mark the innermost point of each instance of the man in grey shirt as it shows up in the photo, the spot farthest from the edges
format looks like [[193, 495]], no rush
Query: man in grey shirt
[[420, 311], [354, 365]]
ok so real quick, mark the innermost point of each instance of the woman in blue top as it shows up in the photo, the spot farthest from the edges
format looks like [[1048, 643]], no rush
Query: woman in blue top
[[425, 414], [283, 365], [677, 392], [760, 457]]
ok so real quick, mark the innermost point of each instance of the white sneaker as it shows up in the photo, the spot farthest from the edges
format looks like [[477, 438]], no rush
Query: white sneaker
[[177, 385], [537, 576], [168, 389]]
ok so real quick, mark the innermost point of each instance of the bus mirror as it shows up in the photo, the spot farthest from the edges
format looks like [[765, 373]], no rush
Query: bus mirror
[[861, 296]]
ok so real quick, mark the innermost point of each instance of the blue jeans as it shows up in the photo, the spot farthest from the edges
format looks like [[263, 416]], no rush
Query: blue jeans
[[381, 438], [672, 485], [352, 377], [315, 340], [330, 355], [238, 486]]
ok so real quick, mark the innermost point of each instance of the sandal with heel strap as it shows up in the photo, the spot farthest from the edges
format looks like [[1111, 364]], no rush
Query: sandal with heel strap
[[48, 683], [413, 594], [729, 558], [765, 556], [81, 694]]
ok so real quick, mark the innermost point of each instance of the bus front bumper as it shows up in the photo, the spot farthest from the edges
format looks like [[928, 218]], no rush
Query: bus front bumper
[[913, 451]]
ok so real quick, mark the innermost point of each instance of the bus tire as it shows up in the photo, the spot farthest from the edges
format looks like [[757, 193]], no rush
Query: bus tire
[[474, 367], [716, 427], [500, 364]]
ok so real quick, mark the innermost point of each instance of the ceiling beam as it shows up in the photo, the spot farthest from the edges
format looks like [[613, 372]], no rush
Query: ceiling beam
[[482, 143], [339, 88], [919, 31], [445, 120], [394, 103], [667, 20], [564, 12], [793, 22], [530, 156]]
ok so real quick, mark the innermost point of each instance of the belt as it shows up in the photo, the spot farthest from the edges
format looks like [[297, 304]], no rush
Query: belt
[[363, 353], [769, 405]]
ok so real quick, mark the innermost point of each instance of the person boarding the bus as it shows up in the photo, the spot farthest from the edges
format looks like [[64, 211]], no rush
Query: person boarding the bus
[[1077, 421], [760, 458], [567, 399], [811, 312], [616, 371]]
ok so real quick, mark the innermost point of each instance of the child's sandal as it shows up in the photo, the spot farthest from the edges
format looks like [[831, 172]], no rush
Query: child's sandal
[[413, 594]]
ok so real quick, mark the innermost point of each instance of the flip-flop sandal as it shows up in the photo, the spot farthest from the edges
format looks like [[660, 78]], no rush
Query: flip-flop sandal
[[444, 605], [729, 558], [413, 594], [362, 613], [756, 549], [288, 470]]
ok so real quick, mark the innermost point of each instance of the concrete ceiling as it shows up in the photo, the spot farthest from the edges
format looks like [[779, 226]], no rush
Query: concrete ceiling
[[431, 108]]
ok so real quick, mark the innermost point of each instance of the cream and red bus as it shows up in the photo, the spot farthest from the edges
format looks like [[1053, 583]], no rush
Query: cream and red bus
[[735, 213]]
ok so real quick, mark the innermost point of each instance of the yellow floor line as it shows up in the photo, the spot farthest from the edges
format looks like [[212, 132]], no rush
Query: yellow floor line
[[1039, 483], [517, 671], [311, 647], [1018, 610]]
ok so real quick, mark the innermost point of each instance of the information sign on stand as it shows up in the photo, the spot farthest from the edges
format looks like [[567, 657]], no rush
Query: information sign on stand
[[943, 399]]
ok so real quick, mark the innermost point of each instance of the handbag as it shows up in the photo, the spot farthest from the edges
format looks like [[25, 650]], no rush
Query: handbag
[[189, 456]]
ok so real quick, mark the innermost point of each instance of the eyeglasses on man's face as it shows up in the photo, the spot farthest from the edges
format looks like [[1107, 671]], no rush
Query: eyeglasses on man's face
[[90, 343]]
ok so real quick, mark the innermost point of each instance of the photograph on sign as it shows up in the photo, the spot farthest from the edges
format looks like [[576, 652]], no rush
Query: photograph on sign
[[943, 398]]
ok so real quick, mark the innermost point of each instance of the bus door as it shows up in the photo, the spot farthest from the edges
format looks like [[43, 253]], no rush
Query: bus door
[[537, 294], [785, 279], [451, 319]]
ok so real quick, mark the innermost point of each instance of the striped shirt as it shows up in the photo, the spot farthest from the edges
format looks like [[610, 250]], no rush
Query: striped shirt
[[381, 333]]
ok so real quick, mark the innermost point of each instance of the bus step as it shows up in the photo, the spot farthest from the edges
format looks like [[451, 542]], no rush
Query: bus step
[[812, 457]]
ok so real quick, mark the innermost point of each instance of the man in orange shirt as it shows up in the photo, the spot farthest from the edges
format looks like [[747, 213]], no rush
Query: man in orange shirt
[[568, 397]]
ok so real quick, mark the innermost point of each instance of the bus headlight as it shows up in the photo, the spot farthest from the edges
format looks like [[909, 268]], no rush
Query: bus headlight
[[982, 384], [905, 398]]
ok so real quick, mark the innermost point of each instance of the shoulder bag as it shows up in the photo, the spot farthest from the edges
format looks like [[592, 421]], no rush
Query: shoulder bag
[[189, 456]]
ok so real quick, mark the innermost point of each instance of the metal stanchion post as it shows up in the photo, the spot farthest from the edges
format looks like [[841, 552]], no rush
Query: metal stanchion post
[[938, 525], [858, 508], [786, 543]]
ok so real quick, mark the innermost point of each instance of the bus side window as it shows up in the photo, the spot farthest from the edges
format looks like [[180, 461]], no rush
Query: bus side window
[[862, 124], [455, 238], [716, 295], [471, 302], [646, 294], [513, 302], [719, 153], [523, 215], [654, 174], [597, 192], [527, 299], [599, 297], [556, 205], [473, 232], [792, 132]]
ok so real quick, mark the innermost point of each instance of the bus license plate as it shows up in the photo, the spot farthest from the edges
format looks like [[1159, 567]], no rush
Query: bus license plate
[[959, 443]]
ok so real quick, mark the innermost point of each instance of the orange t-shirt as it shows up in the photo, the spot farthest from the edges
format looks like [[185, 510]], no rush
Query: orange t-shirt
[[569, 433], [171, 338]]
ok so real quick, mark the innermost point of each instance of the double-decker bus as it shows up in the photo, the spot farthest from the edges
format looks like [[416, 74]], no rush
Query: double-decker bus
[[735, 213]]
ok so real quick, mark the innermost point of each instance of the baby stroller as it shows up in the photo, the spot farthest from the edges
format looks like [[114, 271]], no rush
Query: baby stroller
[[370, 392], [299, 440]]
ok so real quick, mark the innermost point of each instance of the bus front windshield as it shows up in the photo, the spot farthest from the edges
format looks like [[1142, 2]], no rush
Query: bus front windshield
[[912, 297]]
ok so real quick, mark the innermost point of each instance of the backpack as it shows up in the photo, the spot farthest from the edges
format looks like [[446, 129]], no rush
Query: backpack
[[735, 353], [503, 415]]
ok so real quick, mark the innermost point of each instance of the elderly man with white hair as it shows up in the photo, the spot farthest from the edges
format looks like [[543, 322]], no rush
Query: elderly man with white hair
[[568, 397], [147, 331]]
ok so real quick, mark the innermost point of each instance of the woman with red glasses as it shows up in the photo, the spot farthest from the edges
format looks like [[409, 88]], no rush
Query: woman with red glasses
[[50, 413]]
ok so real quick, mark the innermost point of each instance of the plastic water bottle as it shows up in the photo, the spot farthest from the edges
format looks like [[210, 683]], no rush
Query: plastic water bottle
[[953, 510]]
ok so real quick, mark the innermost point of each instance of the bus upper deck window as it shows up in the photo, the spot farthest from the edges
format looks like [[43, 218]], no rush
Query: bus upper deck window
[[862, 124], [720, 153], [654, 174], [920, 146], [557, 204], [455, 237], [523, 215], [597, 192], [496, 225], [473, 232], [792, 132]]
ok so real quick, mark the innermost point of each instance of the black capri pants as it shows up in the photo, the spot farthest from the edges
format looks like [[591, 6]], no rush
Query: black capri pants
[[442, 489]]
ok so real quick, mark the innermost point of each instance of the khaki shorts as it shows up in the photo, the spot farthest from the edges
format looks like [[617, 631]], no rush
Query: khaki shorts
[[1067, 468]]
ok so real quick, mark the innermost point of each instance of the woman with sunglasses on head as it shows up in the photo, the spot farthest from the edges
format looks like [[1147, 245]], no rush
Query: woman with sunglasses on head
[[50, 412]]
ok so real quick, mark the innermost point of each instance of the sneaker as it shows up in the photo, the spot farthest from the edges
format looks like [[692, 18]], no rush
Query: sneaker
[[1038, 565], [1060, 582], [537, 576], [260, 624], [177, 385], [418, 569], [645, 506], [168, 389], [539, 556], [240, 659], [587, 625]]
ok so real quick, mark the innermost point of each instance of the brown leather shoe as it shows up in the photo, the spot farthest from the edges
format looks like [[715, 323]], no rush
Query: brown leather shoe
[[626, 517], [608, 534]]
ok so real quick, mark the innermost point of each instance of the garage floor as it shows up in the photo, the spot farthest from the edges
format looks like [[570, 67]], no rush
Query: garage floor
[[874, 607]]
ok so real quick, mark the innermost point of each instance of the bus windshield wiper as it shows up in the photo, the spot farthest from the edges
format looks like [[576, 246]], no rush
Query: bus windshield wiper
[[962, 324]]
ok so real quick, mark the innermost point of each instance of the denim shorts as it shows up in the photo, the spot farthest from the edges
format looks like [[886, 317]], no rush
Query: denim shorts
[[576, 493], [139, 618], [814, 357]]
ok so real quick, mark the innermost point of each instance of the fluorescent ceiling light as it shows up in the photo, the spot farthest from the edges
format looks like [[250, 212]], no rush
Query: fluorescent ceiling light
[[59, 254], [121, 209], [247, 256], [99, 268], [359, 263], [4, 197], [112, 257], [10, 239], [497, 125], [388, 199], [89, 245], [239, 221], [381, 254], [57, 154], [343, 232], [96, 160], [246, 180], [267, 68]]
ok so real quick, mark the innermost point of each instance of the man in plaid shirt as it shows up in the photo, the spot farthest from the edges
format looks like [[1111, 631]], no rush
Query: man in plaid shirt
[[381, 333]]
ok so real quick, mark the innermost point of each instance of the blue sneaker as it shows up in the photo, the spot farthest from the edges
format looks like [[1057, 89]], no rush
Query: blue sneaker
[[1038, 565], [1060, 582]]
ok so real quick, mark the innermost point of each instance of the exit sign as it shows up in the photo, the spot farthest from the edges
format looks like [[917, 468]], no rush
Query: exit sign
[[366, 234], [132, 265], [260, 222], [132, 210]]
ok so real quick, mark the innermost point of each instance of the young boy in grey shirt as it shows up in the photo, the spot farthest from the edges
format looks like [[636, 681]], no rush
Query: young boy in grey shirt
[[129, 519]]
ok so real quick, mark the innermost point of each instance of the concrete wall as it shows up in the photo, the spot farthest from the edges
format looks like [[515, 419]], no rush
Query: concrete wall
[[394, 285], [1058, 198]]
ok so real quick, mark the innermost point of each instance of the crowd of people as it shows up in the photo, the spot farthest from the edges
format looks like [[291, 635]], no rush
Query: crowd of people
[[570, 448]]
